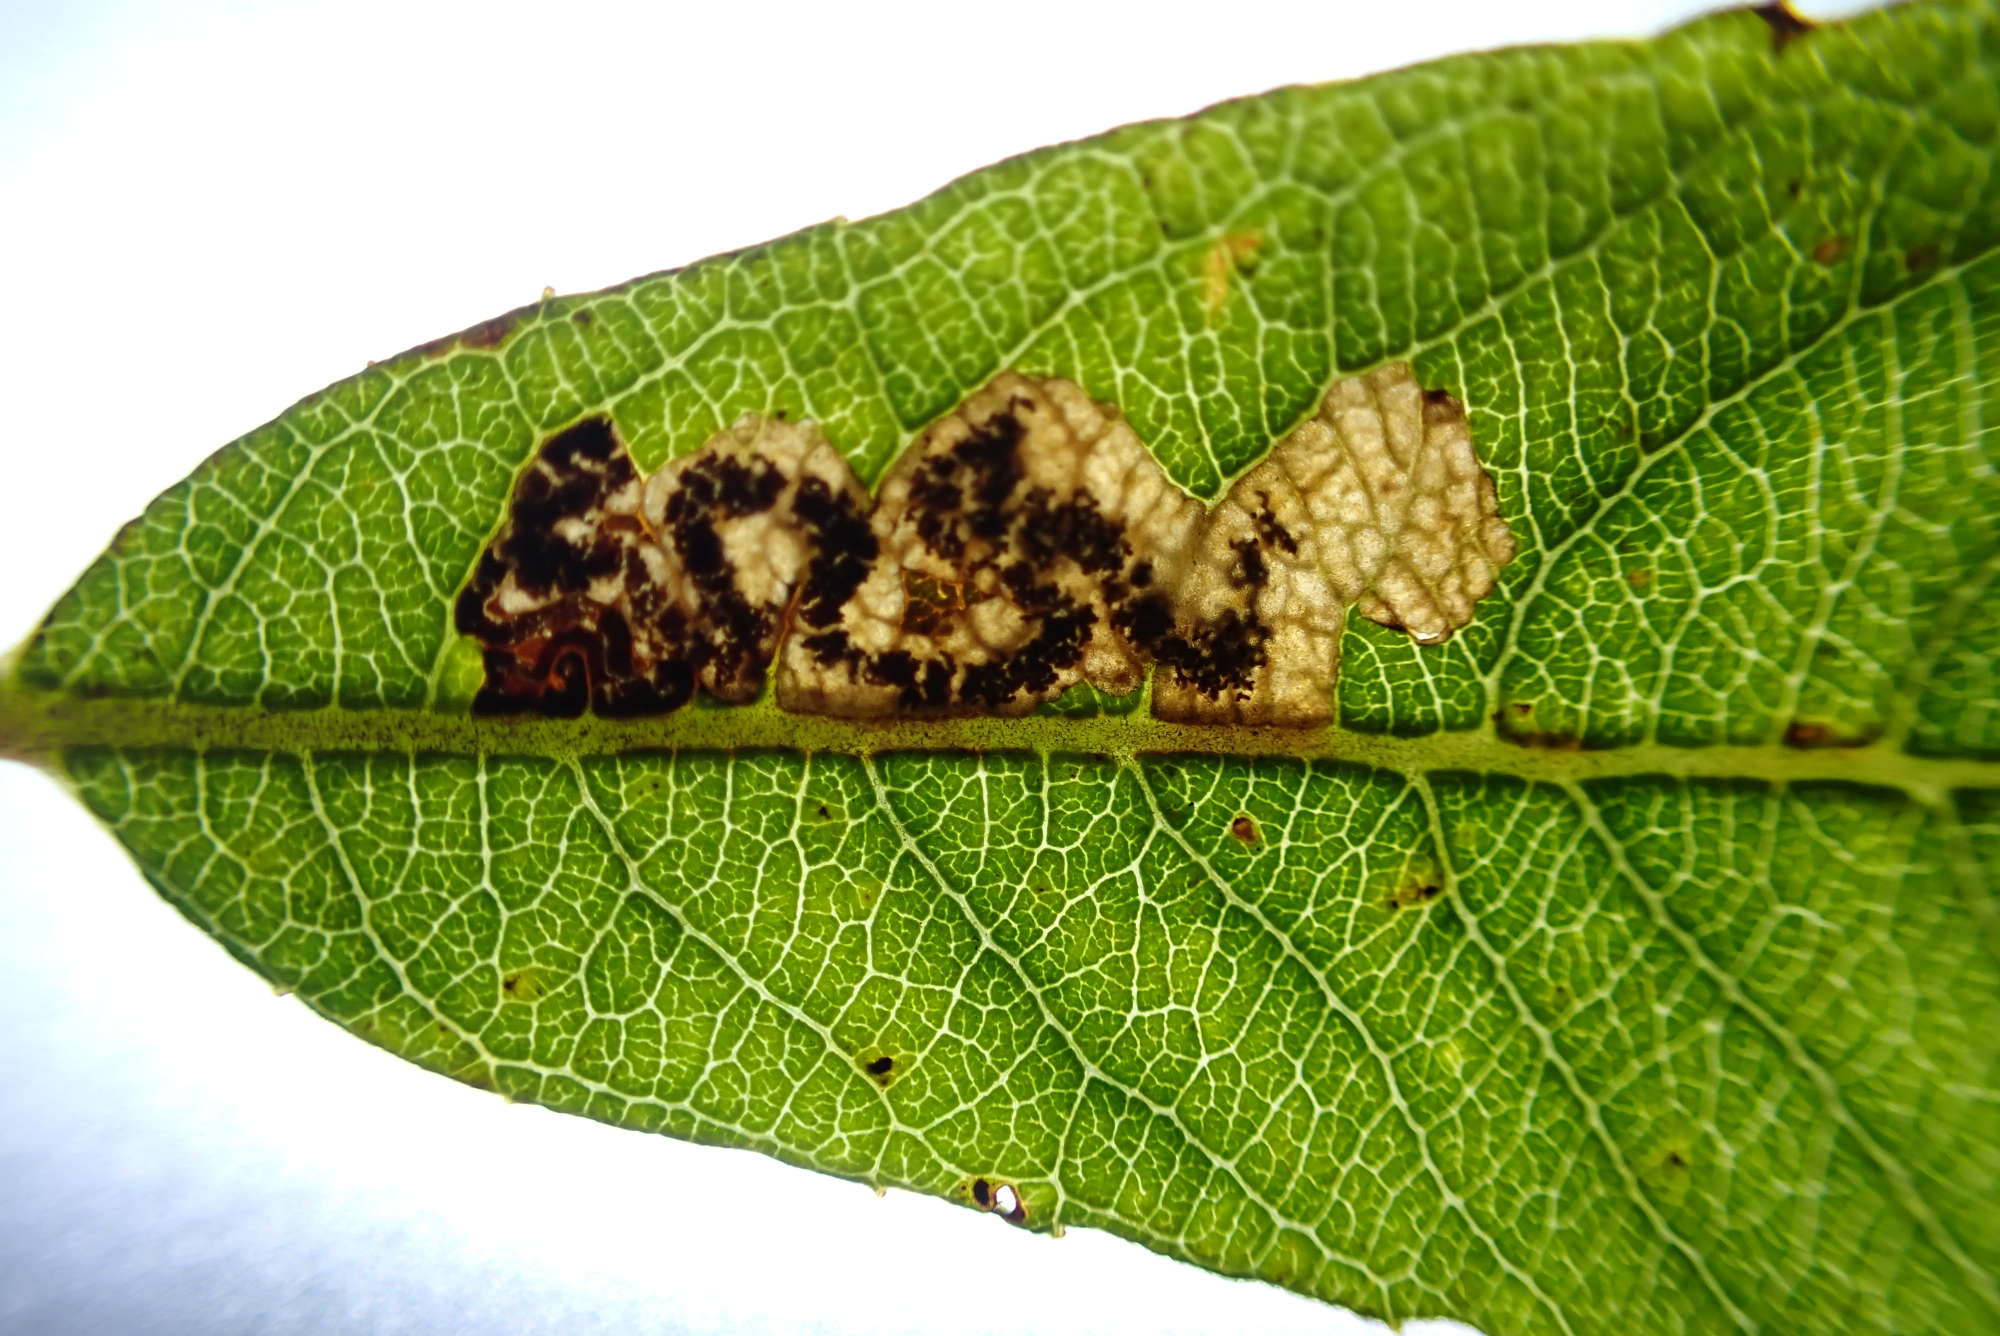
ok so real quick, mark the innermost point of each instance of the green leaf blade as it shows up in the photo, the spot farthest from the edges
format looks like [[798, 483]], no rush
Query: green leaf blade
[[1619, 963], [1614, 1064]]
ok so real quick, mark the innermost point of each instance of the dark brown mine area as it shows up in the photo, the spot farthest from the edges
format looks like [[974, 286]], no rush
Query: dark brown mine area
[[739, 637], [550, 646], [969, 509], [964, 508], [1218, 656], [843, 548]]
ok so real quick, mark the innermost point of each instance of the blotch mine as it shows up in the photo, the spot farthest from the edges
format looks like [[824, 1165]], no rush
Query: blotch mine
[[997, 570], [607, 593], [1024, 546], [1376, 502]]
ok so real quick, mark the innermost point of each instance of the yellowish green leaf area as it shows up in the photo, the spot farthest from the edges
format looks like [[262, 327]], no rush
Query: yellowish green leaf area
[[1626, 961]]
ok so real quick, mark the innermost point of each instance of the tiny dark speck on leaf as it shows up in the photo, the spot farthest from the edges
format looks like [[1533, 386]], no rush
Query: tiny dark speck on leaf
[[1244, 829], [1794, 186], [1830, 251], [881, 1066], [982, 1192], [1921, 258]]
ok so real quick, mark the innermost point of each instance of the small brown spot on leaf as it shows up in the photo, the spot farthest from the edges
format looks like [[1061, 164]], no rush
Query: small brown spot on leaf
[[1785, 24], [883, 1068], [1921, 259], [1669, 1165], [1813, 734], [1244, 828], [487, 333], [1511, 727], [1421, 886], [1831, 251], [584, 318], [982, 1194], [1794, 186], [1639, 577]]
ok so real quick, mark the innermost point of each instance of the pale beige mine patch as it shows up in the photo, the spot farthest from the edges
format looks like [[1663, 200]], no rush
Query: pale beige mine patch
[[1377, 502]]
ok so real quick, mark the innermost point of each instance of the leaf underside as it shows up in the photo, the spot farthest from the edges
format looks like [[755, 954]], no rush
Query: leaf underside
[[1617, 964]]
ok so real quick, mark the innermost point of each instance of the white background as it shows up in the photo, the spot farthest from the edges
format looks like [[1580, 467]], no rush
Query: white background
[[208, 210]]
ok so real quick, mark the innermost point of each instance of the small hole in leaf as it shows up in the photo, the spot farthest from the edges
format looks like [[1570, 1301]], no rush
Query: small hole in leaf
[[1001, 1199]]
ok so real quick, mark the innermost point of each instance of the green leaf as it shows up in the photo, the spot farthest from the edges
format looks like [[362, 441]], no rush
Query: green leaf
[[1618, 962]]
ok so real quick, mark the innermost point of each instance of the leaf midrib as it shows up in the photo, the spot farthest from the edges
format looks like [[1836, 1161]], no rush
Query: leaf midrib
[[38, 725]]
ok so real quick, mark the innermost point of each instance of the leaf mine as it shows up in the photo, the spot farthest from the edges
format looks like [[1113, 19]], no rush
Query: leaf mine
[[625, 596], [1020, 541], [1624, 969], [1024, 544]]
